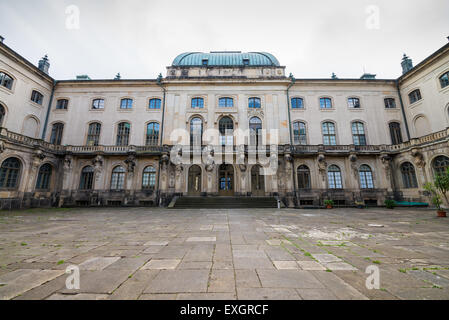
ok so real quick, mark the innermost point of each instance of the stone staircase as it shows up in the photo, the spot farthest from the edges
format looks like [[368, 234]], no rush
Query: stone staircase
[[224, 202]]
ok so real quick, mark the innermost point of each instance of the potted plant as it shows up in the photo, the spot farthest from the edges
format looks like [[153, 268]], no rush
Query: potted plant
[[329, 204], [390, 204], [436, 198]]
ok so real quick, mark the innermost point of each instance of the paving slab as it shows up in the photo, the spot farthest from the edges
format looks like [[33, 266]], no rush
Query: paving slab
[[288, 279], [160, 264], [267, 294], [98, 263], [286, 265], [179, 281], [245, 252]]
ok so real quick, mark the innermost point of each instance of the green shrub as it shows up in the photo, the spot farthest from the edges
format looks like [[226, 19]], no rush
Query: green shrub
[[329, 203], [390, 204]]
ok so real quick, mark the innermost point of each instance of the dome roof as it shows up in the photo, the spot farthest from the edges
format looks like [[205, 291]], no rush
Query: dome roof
[[225, 58]]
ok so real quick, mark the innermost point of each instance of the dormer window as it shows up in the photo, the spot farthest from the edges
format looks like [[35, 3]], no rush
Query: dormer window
[[246, 62], [205, 62]]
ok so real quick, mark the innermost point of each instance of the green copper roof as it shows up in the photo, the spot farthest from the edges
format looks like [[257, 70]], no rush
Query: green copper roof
[[225, 58]]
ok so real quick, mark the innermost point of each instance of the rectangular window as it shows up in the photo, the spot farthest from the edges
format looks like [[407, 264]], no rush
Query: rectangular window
[[62, 104], [414, 96], [325, 103], [354, 103], [37, 97], [126, 104], [98, 104], [390, 103], [197, 103]]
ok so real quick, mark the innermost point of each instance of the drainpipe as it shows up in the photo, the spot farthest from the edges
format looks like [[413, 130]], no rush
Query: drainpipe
[[159, 83], [292, 82], [44, 132], [403, 110]]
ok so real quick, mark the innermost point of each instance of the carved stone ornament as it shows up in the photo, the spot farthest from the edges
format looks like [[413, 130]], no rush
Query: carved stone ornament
[[322, 164], [68, 162], [418, 158], [131, 163]]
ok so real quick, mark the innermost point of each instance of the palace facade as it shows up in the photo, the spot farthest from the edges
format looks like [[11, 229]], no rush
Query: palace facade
[[110, 142]]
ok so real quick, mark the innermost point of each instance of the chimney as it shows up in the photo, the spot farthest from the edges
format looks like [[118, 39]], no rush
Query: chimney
[[44, 65], [407, 64], [368, 76], [2, 38]]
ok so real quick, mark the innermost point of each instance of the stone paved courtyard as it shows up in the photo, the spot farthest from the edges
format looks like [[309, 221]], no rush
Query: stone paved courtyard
[[142, 253]]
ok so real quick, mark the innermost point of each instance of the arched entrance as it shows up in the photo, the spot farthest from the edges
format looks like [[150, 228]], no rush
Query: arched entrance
[[194, 181], [226, 180], [257, 182]]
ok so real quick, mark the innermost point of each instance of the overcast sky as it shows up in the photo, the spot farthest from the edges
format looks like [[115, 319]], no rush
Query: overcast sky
[[140, 38]]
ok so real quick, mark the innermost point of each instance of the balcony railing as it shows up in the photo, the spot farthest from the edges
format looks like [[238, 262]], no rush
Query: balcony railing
[[156, 150]]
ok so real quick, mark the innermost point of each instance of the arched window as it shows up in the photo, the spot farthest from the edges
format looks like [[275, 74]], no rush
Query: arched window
[[390, 103], [6, 80], [414, 96], [98, 104], [226, 128], [226, 102], [334, 177], [2, 115], [196, 131], [87, 178], [197, 103], [93, 134], [10, 173], [62, 104], [440, 165], [254, 103], [366, 177], [408, 175], [299, 133], [118, 178], [44, 177], [37, 97], [56, 133], [255, 129], [358, 134], [155, 104], [354, 103], [329, 135], [152, 137], [444, 80], [325, 103], [297, 103], [395, 133], [303, 173], [123, 131], [149, 178], [126, 104]]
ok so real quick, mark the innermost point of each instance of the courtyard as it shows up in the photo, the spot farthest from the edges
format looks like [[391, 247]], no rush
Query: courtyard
[[153, 253]]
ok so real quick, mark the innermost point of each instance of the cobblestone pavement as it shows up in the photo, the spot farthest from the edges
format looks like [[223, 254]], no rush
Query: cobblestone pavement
[[144, 253]]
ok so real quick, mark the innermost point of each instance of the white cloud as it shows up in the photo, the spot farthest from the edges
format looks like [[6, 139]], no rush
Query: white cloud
[[139, 38]]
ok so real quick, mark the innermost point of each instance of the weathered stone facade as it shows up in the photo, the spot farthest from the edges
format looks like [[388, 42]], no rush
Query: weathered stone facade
[[140, 172]]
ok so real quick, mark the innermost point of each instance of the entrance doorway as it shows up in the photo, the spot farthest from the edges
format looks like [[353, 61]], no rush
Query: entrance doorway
[[226, 180], [257, 182], [194, 181]]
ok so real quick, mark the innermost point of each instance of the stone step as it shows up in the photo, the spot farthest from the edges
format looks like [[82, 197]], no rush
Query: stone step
[[225, 202]]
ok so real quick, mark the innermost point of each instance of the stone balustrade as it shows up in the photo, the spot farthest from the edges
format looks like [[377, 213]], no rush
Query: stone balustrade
[[13, 137]]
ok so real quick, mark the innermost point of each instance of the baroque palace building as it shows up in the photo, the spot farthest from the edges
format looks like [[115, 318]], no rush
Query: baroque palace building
[[111, 142]]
